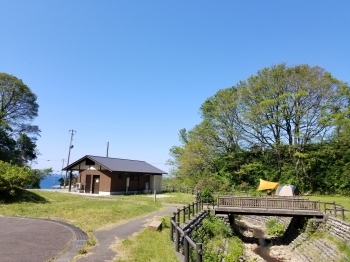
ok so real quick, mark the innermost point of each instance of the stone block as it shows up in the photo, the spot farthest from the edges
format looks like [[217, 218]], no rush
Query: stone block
[[155, 225]]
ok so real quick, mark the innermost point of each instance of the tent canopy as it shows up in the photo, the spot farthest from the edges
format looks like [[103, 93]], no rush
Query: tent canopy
[[287, 190], [266, 185]]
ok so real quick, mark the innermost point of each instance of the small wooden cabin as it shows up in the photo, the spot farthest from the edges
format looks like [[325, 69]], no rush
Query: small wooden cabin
[[110, 176]]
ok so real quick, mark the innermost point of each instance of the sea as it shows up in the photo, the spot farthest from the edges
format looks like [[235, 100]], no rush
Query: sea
[[49, 181]]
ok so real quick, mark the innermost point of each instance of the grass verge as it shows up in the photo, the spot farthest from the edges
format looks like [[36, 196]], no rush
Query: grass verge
[[147, 245]]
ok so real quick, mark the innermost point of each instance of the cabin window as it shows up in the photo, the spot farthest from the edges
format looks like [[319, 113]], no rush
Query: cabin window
[[134, 177], [89, 162]]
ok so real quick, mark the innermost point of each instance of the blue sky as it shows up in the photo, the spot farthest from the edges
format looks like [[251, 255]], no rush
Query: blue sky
[[133, 73]]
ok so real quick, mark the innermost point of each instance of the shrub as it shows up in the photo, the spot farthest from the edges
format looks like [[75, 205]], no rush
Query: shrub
[[207, 195], [274, 228], [13, 177]]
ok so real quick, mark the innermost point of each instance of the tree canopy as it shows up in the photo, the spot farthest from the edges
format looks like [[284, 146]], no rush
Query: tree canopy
[[18, 108], [279, 124]]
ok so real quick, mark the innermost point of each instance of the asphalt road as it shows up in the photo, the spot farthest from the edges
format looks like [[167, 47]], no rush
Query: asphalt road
[[32, 240]]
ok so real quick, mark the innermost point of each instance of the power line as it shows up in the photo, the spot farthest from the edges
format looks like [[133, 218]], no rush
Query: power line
[[48, 159]]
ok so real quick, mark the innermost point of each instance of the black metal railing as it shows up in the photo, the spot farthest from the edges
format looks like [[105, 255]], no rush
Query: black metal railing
[[181, 234]]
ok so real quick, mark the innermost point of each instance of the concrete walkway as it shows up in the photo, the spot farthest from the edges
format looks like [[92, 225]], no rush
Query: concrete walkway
[[107, 237], [36, 240]]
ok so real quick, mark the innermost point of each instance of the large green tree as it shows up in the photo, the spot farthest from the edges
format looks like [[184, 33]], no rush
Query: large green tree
[[283, 123], [289, 106], [18, 108]]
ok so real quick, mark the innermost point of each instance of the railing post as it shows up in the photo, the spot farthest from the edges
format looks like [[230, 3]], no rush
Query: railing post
[[193, 213], [177, 237], [178, 215], [197, 207], [175, 214], [184, 217], [172, 228], [342, 213], [199, 252], [189, 211], [186, 247], [335, 209]]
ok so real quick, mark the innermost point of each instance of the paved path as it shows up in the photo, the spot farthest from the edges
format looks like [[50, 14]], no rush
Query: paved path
[[107, 237], [36, 240]]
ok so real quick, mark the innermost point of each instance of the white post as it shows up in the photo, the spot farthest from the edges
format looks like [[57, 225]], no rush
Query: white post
[[155, 195]]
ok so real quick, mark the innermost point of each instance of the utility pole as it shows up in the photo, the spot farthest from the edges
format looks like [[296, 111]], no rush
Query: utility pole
[[70, 173], [107, 148]]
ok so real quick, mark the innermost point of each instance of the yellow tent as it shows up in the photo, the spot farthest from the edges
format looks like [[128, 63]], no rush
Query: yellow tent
[[265, 185]]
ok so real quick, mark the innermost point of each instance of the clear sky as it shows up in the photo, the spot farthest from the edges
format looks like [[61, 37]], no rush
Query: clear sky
[[133, 73]]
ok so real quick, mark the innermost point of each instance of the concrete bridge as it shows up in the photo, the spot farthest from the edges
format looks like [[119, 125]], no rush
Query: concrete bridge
[[268, 206]]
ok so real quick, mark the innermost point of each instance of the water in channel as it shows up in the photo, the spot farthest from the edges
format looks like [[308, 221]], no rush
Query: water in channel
[[263, 250]]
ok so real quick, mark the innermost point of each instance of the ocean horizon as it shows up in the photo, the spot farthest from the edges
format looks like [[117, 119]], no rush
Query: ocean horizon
[[49, 181]]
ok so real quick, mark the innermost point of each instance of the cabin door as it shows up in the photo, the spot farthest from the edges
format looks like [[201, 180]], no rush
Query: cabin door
[[87, 183], [96, 185]]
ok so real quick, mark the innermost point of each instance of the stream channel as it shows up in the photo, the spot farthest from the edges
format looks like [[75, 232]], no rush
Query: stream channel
[[259, 237], [263, 249]]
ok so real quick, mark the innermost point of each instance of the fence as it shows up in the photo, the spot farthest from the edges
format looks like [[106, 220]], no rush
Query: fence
[[334, 209], [187, 190], [181, 235]]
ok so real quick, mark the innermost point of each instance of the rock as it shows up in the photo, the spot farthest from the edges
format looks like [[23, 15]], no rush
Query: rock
[[155, 225]]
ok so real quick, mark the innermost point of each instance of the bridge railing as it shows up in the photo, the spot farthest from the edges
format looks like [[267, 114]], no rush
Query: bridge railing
[[268, 203]]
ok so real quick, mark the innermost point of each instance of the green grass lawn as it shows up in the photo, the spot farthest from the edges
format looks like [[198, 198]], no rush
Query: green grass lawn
[[88, 213]]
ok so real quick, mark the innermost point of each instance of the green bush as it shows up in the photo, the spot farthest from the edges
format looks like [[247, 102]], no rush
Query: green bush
[[207, 195], [274, 228], [13, 177], [212, 235]]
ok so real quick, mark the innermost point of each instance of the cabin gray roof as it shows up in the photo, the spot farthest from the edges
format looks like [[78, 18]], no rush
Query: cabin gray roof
[[118, 164]]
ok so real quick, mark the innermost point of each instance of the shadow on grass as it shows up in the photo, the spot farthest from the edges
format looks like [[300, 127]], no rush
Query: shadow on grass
[[21, 195]]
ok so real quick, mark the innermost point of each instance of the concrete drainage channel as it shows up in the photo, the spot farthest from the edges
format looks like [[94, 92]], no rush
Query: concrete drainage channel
[[293, 246], [75, 244]]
